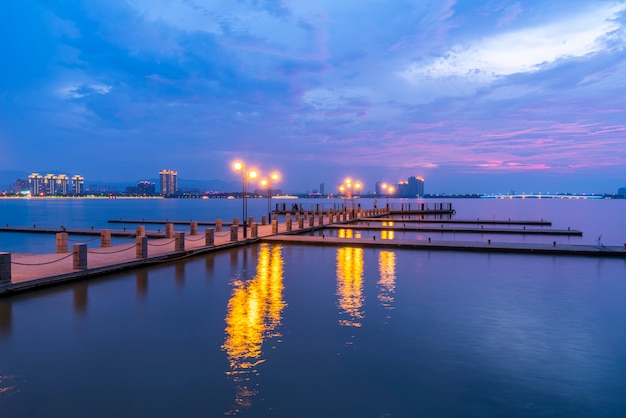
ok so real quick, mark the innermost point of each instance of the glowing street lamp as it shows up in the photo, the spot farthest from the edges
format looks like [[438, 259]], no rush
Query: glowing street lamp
[[245, 177], [274, 177], [389, 189], [346, 189]]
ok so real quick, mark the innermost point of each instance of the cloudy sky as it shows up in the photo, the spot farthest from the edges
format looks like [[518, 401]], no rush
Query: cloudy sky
[[474, 96]]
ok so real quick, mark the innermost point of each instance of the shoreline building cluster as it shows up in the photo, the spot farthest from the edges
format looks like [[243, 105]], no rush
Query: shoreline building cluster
[[52, 185], [413, 187]]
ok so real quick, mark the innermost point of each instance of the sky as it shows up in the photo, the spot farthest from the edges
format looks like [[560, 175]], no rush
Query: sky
[[474, 96]]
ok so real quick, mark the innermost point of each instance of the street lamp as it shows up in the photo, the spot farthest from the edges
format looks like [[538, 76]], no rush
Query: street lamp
[[389, 189], [274, 177], [245, 176], [346, 188]]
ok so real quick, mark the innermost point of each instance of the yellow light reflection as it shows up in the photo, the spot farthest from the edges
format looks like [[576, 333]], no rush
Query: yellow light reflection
[[387, 234], [388, 223], [345, 233], [350, 286], [254, 315], [387, 281]]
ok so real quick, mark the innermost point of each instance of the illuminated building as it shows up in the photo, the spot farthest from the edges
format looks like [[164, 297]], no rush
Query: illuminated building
[[63, 182], [146, 188], [169, 182], [35, 184], [414, 187], [49, 184], [78, 185]]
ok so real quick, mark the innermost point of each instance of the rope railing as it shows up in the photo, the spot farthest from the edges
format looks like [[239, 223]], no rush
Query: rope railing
[[43, 263], [112, 252], [161, 245], [195, 239]]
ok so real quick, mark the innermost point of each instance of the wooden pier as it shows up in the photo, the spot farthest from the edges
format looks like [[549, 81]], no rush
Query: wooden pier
[[19, 272]]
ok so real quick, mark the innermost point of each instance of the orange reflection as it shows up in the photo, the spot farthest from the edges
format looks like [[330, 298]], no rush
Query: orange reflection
[[387, 281], [345, 233], [387, 234], [350, 286], [387, 223], [254, 315]]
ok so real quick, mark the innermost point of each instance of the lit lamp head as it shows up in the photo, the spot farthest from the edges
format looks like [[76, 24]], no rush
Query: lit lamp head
[[264, 183], [238, 166], [275, 177], [357, 186], [391, 189], [253, 174]]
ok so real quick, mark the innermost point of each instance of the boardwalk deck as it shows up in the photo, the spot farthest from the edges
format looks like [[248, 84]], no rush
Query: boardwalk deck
[[29, 271], [400, 226], [459, 221], [79, 231], [501, 247]]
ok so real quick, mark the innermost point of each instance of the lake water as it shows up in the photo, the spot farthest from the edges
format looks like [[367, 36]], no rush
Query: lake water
[[307, 331]]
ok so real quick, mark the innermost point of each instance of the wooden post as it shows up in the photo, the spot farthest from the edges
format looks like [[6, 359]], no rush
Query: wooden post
[[80, 256], [250, 220], [140, 231], [264, 220], [300, 223], [236, 221], [179, 243], [274, 226], [209, 237], [62, 242], [288, 224], [311, 221], [141, 247], [254, 230], [5, 269], [105, 238], [234, 232], [193, 228], [218, 225], [169, 230]]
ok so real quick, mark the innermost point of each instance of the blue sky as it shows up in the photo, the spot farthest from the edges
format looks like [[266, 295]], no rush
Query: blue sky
[[474, 96]]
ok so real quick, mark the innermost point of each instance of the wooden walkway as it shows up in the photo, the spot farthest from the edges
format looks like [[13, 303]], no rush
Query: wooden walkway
[[401, 226], [29, 271], [457, 221], [79, 231]]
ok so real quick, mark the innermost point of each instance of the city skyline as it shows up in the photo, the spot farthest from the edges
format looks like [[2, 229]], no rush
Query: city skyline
[[490, 96]]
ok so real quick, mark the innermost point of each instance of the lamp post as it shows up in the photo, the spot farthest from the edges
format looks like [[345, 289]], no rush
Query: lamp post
[[245, 176], [346, 188], [268, 183], [389, 189]]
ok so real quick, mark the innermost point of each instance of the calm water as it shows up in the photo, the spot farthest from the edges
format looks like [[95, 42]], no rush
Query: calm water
[[298, 331]]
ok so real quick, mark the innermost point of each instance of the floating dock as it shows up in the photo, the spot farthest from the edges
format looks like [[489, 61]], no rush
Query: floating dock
[[401, 226]]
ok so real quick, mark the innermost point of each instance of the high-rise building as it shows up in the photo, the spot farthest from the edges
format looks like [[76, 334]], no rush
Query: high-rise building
[[169, 182], [78, 185], [50, 184], [63, 182], [322, 189], [414, 187], [21, 185], [621, 191], [146, 188], [35, 184]]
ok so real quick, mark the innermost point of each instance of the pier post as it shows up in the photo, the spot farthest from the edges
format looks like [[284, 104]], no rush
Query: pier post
[[234, 232], [80, 256], [250, 220], [306, 216], [179, 243], [141, 246], [169, 230], [254, 230], [5, 269], [140, 231], [274, 226], [275, 217], [105, 238], [320, 219], [193, 228], [62, 242], [209, 237], [288, 224], [218, 225], [300, 223], [311, 221], [264, 220], [236, 221]]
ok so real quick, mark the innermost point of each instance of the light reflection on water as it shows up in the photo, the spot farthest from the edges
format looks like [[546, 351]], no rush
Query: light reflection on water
[[254, 316], [387, 280], [350, 286]]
